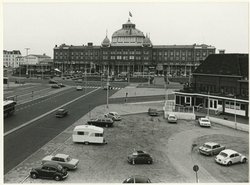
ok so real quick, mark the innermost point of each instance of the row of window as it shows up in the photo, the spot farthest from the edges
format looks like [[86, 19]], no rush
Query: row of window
[[92, 134]]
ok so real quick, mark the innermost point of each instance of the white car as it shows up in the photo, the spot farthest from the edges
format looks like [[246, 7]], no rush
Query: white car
[[204, 122], [172, 118], [113, 115], [64, 160], [229, 157], [79, 88]]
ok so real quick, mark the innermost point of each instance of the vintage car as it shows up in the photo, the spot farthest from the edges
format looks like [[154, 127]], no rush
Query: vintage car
[[113, 115], [60, 113], [64, 160], [172, 118], [153, 112], [55, 86], [101, 122], [137, 179], [79, 88], [49, 170], [211, 148], [140, 157], [229, 157], [204, 122]]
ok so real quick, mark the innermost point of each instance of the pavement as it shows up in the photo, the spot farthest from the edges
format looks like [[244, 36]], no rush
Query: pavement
[[20, 174]]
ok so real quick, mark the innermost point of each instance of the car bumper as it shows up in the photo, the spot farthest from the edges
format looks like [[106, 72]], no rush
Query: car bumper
[[219, 161], [65, 176], [204, 152]]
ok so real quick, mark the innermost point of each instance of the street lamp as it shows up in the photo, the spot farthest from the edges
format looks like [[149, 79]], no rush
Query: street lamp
[[108, 89], [235, 122], [208, 104], [27, 51]]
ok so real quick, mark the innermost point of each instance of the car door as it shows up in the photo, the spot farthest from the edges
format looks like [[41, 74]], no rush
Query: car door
[[232, 158], [51, 172], [44, 172], [215, 149], [237, 158]]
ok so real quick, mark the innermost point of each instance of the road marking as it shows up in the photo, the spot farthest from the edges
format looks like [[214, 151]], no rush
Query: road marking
[[47, 113]]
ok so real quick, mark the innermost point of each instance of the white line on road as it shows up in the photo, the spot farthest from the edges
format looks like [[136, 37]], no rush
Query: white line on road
[[45, 114]]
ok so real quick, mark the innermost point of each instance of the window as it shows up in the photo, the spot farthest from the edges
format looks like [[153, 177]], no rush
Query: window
[[98, 135], [131, 57], [112, 58], [119, 57], [80, 133]]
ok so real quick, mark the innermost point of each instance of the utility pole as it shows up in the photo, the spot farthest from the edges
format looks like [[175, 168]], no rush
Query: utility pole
[[235, 122], [108, 89], [27, 70], [208, 104]]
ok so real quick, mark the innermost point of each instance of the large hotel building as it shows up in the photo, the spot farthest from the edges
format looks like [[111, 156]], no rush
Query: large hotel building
[[132, 52]]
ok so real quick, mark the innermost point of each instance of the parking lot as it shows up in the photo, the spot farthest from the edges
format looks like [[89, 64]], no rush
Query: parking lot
[[172, 146]]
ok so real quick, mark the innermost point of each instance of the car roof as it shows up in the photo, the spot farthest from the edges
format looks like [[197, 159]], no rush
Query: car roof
[[229, 151], [62, 156], [204, 118], [211, 143], [51, 164], [113, 112], [61, 109]]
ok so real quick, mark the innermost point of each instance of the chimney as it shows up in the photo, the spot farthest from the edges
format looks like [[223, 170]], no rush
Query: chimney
[[221, 51], [90, 43]]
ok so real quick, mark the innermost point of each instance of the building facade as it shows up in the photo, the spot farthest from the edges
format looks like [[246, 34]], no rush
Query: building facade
[[12, 58], [132, 52], [220, 84]]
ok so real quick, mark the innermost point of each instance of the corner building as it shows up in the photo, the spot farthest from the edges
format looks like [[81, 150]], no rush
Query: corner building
[[130, 51]]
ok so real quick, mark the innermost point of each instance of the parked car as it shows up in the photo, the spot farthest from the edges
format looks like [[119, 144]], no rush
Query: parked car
[[137, 179], [211, 148], [49, 170], [106, 87], [204, 122], [229, 157], [172, 118], [113, 115], [53, 82], [60, 113], [55, 86], [79, 88], [61, 84], [101, 122], [64, 160], [152, 112], [140, 157]]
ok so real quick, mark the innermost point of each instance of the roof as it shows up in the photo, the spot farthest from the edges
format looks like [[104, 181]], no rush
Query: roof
[[6, 102], [229, 151], [86, 127], [62, 156], [224, 64], [17, 52], [211, 143]]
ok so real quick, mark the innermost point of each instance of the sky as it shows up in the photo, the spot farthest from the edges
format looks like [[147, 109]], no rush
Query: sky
[[41, 26]]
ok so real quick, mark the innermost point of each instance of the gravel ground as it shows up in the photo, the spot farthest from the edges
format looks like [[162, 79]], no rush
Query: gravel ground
[[170, 146]]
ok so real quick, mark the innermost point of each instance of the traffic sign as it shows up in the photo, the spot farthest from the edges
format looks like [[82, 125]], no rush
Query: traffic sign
[[196, 168]]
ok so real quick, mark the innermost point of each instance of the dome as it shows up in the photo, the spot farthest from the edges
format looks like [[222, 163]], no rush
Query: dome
[[106, 42], [147, 42], [128, 35]]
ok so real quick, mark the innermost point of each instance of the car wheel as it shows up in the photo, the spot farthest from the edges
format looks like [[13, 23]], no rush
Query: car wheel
[[229, 163], [149, 162], [244, 160], [33, 175], [86, 142], [106, 125], [57, 178]]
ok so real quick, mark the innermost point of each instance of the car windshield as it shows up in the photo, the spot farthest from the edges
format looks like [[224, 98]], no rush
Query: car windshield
[[204, 120], [207, 146], [223, 154], [172, 117]]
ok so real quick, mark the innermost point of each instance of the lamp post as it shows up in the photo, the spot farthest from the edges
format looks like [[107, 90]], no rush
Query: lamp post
[[208, 104], [235, 122], [27, 59], [108, 89]]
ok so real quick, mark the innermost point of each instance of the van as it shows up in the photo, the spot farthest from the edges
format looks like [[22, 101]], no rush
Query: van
[[88, 134]]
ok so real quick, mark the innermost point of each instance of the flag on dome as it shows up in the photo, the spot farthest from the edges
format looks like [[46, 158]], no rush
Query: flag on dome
[[130, 14]]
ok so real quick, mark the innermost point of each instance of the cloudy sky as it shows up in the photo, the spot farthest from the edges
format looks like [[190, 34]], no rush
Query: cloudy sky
[[40, 26]]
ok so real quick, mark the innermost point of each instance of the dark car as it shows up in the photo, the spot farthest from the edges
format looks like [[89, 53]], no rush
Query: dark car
[[140, 157], [61, 113], [102, 122], [49, 170], [53, 82], [152, 112], [55, 86], [137, 179]]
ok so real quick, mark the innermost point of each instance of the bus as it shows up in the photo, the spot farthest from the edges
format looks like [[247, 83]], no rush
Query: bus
[[9, 107]]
